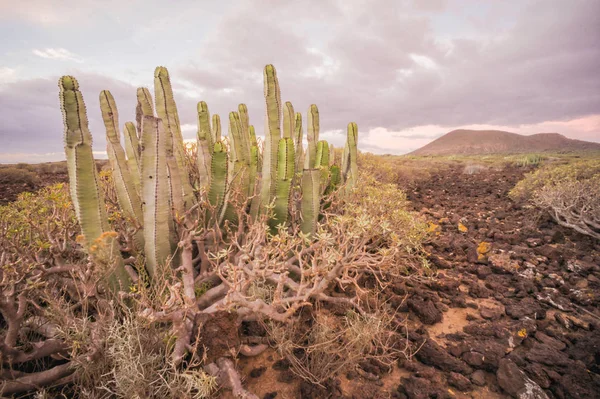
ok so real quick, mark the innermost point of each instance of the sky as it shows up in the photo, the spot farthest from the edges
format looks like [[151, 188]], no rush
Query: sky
[[406, 71]]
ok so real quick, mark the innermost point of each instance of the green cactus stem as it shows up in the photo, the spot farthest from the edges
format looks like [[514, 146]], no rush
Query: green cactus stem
[[322, 162], [127, 195], [351, 172], [155, 193], [245, 132], [289, 120], [299, 146], [285, 174], [86, 194], [216, 128], [204, 144], [144, 107], [132, 150], [311, 195], [313, 137], [167, 111], [272, 135], [218, 179]]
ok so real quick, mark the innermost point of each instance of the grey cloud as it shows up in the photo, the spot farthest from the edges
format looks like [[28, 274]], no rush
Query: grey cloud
[[522, 62], [32, 119]]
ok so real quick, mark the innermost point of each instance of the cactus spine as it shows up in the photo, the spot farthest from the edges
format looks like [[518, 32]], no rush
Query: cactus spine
[[86, 194]]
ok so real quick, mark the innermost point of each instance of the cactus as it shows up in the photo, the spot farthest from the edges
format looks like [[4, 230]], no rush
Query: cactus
[[167, 111], [218, 178], [322, 162], [132, 149], [143, 108], [311, 191], [205, 145], [152, 180], [288, 120], [127, 195], [285, 174], [216, 128], [312, 136], [298, 134], [272, 135], [86, 194], [349, 165], [155, 187]]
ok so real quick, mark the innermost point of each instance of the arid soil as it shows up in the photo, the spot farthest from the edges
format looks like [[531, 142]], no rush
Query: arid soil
[[510, 308], [520, 321]]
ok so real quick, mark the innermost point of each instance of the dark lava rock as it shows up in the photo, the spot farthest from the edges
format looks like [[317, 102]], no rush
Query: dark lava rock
[[425, 310], [516, 383], [545, 354], [422, 388], [587, 349], [526, 307], [478, 378], [460, 382], [484, 354], [491, 311], [552, 342], [483, 272], [434, 355]]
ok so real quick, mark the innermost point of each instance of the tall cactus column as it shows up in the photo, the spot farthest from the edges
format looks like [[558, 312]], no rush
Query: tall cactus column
[[86, 194], [127, 194]]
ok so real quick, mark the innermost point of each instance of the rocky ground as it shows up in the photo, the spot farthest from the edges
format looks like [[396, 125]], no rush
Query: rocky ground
[[512, 312], [511, 309]]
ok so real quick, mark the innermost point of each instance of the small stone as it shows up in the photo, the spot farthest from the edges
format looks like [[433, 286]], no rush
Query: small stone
[[460, 382], [478, 378]]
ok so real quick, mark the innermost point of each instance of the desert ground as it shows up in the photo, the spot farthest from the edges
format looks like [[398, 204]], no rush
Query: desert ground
[[508, 305]]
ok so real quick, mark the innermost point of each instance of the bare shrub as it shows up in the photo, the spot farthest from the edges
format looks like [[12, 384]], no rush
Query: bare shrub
[[573, 203], [569, 193], [140, 343], [325, 344]]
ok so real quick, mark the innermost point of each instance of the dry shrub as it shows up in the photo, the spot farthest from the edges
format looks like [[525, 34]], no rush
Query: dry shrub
[[323, 345], [139, 344], [15, 175], [569, 193]]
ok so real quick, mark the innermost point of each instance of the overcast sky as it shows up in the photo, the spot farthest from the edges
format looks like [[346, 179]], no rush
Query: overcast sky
[[405, 71]]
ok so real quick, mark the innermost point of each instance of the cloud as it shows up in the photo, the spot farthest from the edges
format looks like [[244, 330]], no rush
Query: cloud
[[32, 119], [7, 75], [405, 71], [57, 54]]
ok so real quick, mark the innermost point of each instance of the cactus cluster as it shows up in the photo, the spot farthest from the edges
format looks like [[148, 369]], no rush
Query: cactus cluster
[[236, 174]]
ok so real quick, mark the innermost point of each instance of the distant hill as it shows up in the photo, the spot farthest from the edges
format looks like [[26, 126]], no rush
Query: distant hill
[[479, 142]]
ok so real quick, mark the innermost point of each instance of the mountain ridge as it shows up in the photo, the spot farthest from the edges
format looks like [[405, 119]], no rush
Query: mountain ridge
[[484, 142]]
